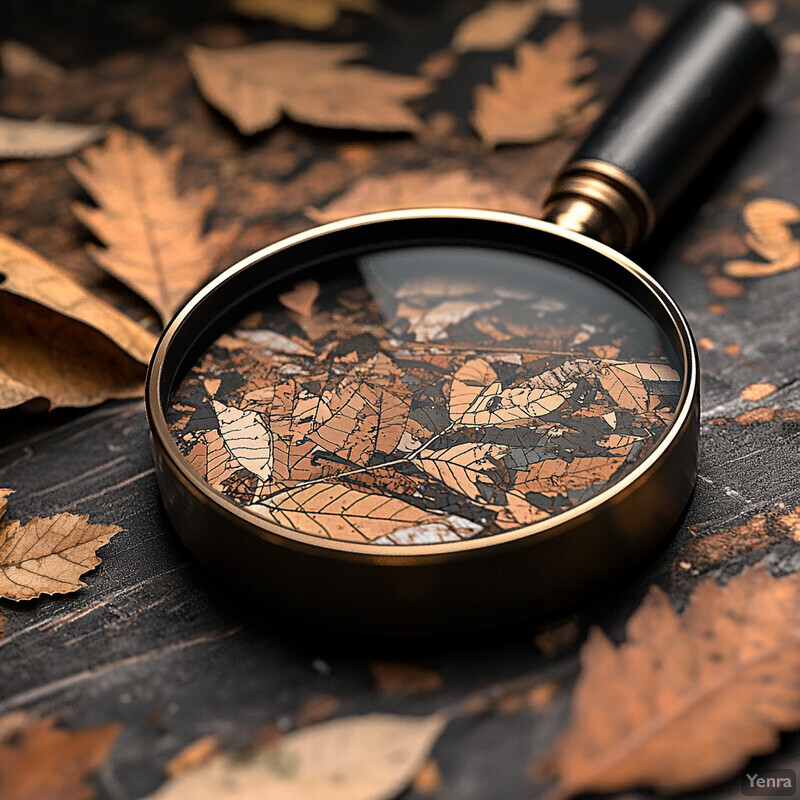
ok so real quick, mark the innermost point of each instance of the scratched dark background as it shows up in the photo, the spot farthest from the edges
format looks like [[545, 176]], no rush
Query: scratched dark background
[[152, 642]]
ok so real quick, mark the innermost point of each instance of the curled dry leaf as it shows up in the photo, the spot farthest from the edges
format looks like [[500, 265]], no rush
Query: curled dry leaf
[[313, 15], [42, 138], [370, 757], [421, 188], [48, 556], [58, 341], [768, 222], [154, 237], [40, 761], [310, 82], [498, 25], [540, 96], [689, 698], [17, 60]]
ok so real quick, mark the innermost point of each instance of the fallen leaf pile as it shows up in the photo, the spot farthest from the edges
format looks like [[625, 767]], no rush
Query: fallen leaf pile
[[41, 761], [47, 555], [58, 341], [544, 94], [312, 83], [444, 410], [154, 236], [689, 698]]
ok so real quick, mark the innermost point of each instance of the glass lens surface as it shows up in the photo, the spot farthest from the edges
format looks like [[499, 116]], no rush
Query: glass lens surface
[[430, 394]]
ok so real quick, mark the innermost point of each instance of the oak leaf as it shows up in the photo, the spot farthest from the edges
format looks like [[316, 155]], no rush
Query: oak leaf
[[689, 698], [21, 138], [310, 82], [39, 761], [370, 757], [60, 342], [334, 511], [768, 222], [498, 25], [49, 555], [422, 188], [20, 61], [314, 15], [539, 97], [154, 237]]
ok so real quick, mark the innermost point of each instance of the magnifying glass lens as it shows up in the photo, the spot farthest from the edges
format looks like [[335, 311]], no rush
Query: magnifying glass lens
[[426, 394]]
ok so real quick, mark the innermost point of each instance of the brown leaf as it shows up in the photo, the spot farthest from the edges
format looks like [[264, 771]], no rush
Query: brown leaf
[[554, 476], [428, 781], [518, 512], [310, 82], [313, 15], [4, 493], [20, 138], [539, 97], [58, 341], [689, 698], [154, 236], [48, 556], [422, 188], [393, 677], [301, 299], [625, 388], [39, 761], [247, 438], [497, 26], [463, 467], [20, 61], [194, 755], [317, 710], [770, 236]]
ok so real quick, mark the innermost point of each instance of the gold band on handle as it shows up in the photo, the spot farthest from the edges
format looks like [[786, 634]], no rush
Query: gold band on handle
[[601, 201]]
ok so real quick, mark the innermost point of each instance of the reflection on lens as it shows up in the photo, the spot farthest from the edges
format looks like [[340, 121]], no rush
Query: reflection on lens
[[427, 394]]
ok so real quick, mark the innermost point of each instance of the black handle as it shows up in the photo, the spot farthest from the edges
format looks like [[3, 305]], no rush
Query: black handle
[[689, 93]]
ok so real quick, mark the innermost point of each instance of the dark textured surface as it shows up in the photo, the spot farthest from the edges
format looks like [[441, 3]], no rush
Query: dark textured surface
[[154, 644]]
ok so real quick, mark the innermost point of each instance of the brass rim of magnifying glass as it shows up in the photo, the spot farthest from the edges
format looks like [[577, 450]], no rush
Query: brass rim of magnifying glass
[[630, 517]]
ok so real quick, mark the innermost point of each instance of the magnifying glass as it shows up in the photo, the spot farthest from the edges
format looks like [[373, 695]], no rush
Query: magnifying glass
[[443, 420]]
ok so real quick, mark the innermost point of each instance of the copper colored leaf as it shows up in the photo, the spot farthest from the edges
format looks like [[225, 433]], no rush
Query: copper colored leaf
[[4, 493], [423, 188], [771, 237], [246, 438], [310, 82], [554, 476], [370, 757], [58, 341], [540, 96], [393, 677], [301, 299], [42, 138], [463, 468], [338, 512], [498, 25], [314, 15], [39, 761], [625, 387], [194, 755], [49, 555], [689, 698], [20, 61], [154, 237]]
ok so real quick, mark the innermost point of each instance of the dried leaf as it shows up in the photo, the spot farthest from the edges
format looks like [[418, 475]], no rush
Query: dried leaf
[[625, 388], [42, 138], [154, 236], [464, 468], [371, 757], [4, 493], [497, 26], [58, 341], [539, 97], [17, 60], [246, 438], [48, 556], [416, 189], [770, 236], [393, 677], [553, 476], [310, 82], [39, 761], [313, 15], [431, 324], [689, 698], [302, 298]]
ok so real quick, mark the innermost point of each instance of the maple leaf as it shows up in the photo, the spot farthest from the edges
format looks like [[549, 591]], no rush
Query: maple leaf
[[39, 761], [421, 188], [498, 25], [60, 342], [540, 96], [689, 698], [154, 236], [254, 85], [48, 556], [369, 757], [314, 15], [20, 138]]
